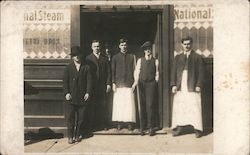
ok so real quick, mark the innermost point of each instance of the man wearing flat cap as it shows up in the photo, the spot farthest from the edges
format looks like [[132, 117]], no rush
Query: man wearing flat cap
[[77, 88], [147, 75]]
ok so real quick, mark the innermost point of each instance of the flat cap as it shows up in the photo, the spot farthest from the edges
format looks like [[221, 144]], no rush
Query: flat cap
[[146, 44]]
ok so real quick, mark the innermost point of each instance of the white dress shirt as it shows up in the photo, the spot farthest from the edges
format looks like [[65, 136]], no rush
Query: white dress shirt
[[77, 66]]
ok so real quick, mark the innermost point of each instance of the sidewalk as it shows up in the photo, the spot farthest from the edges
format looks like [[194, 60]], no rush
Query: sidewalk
[[161, 143]]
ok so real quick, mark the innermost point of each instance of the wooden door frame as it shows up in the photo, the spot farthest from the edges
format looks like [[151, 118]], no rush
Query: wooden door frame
[[165, 61]]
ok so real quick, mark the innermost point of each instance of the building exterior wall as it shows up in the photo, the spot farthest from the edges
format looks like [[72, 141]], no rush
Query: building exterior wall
[[195, 20], [46, 32], [47, 40], [46, 47]]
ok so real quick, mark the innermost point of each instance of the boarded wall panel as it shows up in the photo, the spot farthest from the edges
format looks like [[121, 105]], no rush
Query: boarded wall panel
[[40, 107], [43, 72], [45, 122]]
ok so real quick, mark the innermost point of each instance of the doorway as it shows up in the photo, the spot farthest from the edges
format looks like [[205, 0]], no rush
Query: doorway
[[138, 27], [109, 27]]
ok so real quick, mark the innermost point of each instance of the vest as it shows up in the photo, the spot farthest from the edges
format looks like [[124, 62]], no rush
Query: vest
[[148, 69]]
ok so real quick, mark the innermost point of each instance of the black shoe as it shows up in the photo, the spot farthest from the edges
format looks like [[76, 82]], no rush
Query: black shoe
[[176, 131], [142, 132], [119, 127], [151, 132], [198, 133], [78, 139], [105, 129], [71, 141], [130, 127]]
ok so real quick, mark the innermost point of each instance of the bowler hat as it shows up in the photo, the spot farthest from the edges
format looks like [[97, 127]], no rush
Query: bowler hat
[[146, 44], [75, 51]]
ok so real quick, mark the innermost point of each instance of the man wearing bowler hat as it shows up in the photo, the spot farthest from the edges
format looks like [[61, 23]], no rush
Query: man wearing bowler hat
[[77, 87], [147, 75]]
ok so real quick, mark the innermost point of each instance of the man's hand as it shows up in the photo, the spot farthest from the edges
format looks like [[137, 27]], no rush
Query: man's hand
[[68, 97], [198, 89], [133, 86], [174, 89], [114, 87], [108, 89], [86, 97]]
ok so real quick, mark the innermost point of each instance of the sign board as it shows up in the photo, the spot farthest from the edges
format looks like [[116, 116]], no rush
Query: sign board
[[46, 34], [192, 14]]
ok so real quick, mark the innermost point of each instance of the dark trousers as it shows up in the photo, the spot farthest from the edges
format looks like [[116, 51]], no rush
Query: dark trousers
[[98, 114], [147, 91], [100, 111], [75, 118]]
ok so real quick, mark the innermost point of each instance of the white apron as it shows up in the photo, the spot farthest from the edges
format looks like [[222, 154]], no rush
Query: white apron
[[124, 105], [187, 107]]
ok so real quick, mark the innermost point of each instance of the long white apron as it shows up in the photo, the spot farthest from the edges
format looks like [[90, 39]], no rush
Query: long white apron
[[187, 106], [124, 105]]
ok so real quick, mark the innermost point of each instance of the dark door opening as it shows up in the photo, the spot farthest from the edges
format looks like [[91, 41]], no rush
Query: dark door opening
[[137, 27]]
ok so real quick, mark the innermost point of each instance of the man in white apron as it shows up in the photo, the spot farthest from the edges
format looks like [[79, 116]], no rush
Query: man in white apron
[[186, 83], [123, 64]]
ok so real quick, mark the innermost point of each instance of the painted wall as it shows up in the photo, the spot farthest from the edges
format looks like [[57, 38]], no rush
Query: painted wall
[[46, 32], [195, 20]]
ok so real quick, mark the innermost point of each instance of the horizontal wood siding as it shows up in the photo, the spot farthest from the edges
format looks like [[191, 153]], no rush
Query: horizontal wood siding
[[44, 109]]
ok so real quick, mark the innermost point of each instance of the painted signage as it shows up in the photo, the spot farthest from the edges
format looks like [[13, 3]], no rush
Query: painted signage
[[46, 33], [47, 16], [193, 14]]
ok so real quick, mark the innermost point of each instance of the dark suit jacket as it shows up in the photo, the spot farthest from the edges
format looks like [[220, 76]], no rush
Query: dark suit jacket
[[77, 83], [195, 71], [101, 72]]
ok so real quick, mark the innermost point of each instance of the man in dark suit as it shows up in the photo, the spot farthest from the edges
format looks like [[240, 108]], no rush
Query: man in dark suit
[[108, 53], [186, 82], [147, 75], [77, 86], [102, 85]]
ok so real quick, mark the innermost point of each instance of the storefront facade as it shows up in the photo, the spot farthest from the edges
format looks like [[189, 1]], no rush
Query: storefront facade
[[50, 31]]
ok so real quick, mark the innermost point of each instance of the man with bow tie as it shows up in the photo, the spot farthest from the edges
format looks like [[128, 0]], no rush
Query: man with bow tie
[[147, 75], [186, 83]]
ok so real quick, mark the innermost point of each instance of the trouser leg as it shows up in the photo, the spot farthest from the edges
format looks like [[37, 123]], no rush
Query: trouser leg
[[101, 114], [70, 119], [80, 120], [150, 94], [142, 106]]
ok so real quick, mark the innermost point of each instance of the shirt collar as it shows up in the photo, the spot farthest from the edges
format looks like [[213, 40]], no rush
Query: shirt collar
[[148, 57], [123, 52], [187, 52], [97, 55], [77, 65]]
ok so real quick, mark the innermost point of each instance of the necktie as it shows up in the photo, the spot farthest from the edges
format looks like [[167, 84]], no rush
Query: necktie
[[186, 61]]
